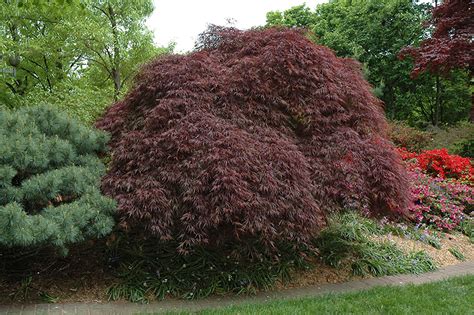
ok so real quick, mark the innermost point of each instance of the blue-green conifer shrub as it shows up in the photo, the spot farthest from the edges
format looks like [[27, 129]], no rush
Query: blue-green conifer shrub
[[49, 180]]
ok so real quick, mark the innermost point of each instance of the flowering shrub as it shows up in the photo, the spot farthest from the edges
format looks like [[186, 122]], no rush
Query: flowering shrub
[[407, 155], [440, 163], [442, 187], [443, 203]]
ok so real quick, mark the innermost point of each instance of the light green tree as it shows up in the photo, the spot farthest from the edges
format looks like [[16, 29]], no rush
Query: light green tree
[[117, 41], [37, 44], [77, 55]]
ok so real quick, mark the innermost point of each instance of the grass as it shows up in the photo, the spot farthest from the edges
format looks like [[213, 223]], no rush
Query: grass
[[452, 296]]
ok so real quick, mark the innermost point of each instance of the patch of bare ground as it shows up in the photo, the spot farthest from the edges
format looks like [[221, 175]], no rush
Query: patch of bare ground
[[319, 274]]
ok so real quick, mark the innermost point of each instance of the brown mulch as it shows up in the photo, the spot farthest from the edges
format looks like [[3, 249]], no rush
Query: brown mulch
[[319, 274], [323, 274], [442, 257]]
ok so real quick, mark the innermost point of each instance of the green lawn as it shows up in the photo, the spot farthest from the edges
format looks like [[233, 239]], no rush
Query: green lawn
[[453, 296]]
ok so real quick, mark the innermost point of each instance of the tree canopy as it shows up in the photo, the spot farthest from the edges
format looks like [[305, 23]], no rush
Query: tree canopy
[[71, 52], [450, 46], [374, 32]]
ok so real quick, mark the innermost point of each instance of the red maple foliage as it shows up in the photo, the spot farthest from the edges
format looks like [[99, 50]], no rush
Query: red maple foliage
[[451, 45], [259, 133]]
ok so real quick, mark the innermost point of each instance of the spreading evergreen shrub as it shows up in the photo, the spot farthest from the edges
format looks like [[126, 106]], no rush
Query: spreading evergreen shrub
[[49, 180], [257, 134]]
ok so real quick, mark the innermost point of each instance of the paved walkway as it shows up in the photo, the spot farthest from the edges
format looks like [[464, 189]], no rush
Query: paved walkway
[[214, 302]]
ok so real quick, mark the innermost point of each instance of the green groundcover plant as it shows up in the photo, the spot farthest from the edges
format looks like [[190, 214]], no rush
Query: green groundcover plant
[[233, 268], [49, 180], [348, 239]]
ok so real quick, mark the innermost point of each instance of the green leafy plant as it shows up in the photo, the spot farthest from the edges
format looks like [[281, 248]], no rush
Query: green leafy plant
[[24, 289], [467, 228], [464, 148], [49, 180], [456, 253], [347, 240], [425, 235], [47, 298], [153, 269]]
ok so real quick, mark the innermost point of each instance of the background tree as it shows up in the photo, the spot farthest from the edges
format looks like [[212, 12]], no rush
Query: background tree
[[450, 46], [76, 55], [298, 16], [373, 32], [117, 40], [38, 45]]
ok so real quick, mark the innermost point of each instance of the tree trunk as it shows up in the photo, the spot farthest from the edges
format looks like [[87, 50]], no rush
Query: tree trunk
[[117, 83], [471, 114], [116, 76], [437, 110]]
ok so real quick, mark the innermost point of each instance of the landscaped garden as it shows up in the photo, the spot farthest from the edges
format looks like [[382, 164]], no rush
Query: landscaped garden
[[264, 159]]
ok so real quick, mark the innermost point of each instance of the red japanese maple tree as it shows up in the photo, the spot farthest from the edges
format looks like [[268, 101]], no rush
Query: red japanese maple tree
[[451, 44], [258, 134]]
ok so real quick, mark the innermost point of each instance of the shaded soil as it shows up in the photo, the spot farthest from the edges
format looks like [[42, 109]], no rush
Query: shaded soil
[[81, 276]]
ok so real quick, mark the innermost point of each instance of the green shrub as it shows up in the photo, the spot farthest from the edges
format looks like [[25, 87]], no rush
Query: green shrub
[[464, 148], [467, 227], [80, 100], [347, 239], [457, 139], [408, 137], [49, 180]]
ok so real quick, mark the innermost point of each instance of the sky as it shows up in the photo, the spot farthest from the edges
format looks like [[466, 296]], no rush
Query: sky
[[181, 21]]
